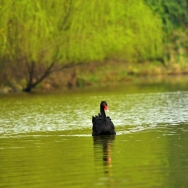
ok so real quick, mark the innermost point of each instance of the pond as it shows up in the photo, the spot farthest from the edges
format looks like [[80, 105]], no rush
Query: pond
[[45, 139]]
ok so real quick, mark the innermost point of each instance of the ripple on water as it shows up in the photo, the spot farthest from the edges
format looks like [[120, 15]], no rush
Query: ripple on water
[[139, 111]]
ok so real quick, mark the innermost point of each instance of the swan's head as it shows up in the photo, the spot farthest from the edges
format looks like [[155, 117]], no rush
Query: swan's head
[[104, 105]]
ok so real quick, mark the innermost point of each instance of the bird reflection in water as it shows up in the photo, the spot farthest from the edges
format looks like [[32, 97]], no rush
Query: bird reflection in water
[[104, 145]]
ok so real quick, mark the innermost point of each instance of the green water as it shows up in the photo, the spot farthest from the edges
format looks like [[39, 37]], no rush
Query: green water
[[45, 140]]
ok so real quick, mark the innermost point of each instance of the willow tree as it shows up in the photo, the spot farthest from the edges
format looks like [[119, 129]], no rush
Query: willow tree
[[40, 37], [144, 33], [125, 29], [32, 37]]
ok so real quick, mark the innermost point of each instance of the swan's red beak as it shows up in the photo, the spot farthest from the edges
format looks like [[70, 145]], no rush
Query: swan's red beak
[[106, 108]]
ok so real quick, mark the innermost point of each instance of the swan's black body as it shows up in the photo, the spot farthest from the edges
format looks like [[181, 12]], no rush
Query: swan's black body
[[102, 124]]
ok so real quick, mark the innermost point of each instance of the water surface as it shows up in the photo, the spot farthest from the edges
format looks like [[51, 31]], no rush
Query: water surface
[[45, 140]]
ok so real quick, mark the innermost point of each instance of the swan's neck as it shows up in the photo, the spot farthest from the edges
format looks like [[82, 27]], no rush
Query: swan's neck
[[103, 114]]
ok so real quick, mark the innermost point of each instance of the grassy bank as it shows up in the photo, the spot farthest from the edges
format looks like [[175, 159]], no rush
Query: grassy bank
[[112, 73], [107, 73]]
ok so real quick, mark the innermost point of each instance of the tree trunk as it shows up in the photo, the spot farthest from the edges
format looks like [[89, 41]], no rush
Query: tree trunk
[[28, 88], [32, 84], [31, 70]]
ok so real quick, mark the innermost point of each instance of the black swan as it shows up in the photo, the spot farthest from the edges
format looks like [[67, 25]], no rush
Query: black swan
[[102, 124]]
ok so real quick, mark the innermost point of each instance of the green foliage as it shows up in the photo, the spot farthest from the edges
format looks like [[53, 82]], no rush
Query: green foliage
[[174, 15], [43, 31], [115, 28], [144, 31], [28, 31], [173, 12], [37, 34]]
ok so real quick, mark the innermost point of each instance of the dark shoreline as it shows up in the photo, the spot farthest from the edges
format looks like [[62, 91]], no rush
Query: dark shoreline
[[171, 79]]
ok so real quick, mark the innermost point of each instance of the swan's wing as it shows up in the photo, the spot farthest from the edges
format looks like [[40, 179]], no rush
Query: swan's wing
[[97, 125], [110, 124]]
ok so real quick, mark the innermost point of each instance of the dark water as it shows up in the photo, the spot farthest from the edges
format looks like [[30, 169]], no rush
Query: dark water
[[45, 140]]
